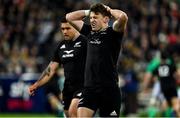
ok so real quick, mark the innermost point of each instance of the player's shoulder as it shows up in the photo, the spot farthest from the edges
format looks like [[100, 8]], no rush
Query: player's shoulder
[[82, 38], [114, 33], [61, 43], [111, 30]]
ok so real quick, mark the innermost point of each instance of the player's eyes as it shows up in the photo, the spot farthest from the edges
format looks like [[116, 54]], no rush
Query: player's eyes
[[65, 28]]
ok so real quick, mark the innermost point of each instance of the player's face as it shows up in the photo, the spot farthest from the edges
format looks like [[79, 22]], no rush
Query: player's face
[[97, 21], [68, 31]]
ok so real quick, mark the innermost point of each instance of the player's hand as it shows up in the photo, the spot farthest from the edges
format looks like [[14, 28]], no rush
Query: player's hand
[[32, 89], [107, 8]]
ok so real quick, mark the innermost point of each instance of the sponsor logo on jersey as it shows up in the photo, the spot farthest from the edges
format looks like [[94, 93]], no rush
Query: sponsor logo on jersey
[[95, 42], [68, 53]]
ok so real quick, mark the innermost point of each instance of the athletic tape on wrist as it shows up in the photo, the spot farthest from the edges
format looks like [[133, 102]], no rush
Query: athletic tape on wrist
[[86, 12]]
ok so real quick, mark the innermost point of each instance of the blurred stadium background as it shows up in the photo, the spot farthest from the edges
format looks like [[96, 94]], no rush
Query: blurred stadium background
[[29, 32]]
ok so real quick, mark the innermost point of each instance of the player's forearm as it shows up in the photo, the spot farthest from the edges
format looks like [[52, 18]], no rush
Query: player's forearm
[[76, 15], [118, 14], [146, 80], [43, 80], [121, 19], [45, 77]]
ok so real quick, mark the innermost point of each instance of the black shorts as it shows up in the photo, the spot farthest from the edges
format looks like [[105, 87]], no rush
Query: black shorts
[[107, 100], [169, 93], [68, 95]]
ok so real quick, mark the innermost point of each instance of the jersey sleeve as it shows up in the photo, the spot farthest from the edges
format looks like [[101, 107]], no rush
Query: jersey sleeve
[[117, 35], [84, 40], [154, 71], [56, 57], [152, 65], [85, 29], [174, 67]]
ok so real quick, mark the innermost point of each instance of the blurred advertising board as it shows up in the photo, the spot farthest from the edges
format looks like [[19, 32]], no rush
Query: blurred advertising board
[[14, 95]]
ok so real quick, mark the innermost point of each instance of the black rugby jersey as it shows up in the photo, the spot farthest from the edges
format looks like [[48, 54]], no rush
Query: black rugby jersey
[[103, 49], [72, 55], [165, 74]]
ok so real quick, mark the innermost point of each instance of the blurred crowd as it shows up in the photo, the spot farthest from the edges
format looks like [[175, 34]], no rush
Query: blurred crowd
[[152, 25], [29, 32]]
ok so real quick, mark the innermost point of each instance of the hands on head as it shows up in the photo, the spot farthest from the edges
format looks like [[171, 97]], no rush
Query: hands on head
[[107, 8]]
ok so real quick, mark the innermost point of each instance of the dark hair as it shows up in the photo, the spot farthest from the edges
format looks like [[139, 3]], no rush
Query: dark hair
[[164, 54], [99, 8], [63, 20]]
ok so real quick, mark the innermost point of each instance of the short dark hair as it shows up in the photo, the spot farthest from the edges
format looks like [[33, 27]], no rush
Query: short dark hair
[[63, 20], [99, 8], [164, 54]]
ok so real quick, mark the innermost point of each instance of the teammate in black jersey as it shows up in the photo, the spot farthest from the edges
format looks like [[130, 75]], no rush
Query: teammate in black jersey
[[167, 74], [71, 53], [104, 43]]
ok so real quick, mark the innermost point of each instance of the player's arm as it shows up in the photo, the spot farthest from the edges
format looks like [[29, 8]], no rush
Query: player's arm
[[76, 18], [146, 80], [177, 76], [120, 17], [149, 72], [45, 77], [176, 72]]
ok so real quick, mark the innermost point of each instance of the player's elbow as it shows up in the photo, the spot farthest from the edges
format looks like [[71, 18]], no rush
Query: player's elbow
[[123, 17], [68, 17]]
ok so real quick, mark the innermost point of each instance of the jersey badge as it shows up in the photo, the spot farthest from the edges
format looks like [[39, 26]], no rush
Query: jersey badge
[[77, 44]]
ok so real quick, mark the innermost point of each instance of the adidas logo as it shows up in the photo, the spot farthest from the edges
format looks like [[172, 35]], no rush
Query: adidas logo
[[113, 113], [79, 94], [63, 46], [68, 51]]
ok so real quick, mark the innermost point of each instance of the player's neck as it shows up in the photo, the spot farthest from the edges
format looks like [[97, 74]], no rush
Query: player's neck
[[76, 36], [104, 27]]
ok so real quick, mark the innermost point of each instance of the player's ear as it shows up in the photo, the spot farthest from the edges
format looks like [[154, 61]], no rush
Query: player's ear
[[106, 19]]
